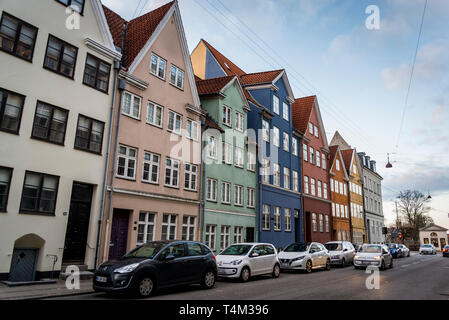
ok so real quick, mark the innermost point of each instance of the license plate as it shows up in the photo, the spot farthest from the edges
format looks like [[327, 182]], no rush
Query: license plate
[[101, 279], [284, 265]]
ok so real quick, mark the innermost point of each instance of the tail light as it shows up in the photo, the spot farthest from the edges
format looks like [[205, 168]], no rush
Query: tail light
[[215, 258]]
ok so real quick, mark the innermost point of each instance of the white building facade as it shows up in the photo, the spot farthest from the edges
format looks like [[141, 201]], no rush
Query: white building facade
[[433, 234], [56, 90]]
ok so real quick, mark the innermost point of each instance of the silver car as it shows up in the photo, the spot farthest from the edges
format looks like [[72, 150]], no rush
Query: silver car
[[405, 251], [342, 252], [373, 255], [305, 256], [427, 249]]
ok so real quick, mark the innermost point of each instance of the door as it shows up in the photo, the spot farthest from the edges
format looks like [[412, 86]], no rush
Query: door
[[23, 265], [250, 235], [119, 234], [174, 271], [308, 228], [257, 263], [316, 255], [195, 263], [78, 223], [269, 259]]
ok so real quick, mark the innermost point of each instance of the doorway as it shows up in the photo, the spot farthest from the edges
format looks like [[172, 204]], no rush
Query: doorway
[[308, 228], [250, 235], [23, 265], [119, 234]]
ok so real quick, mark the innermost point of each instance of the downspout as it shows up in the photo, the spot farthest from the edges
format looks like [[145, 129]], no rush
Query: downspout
[[105, 173], [202, 215]]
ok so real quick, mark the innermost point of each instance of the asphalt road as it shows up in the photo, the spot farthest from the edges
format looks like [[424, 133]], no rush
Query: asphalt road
[[416, 277]]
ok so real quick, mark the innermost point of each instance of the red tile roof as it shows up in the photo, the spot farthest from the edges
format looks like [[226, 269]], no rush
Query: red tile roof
[[333, 154], [347, 157], [139, 30], [228, 66], [212, 124], [212, 86], [260, 77], [301, 111]]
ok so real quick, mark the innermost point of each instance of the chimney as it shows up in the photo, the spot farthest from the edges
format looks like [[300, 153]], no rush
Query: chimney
[[373, 165], [368, 159]]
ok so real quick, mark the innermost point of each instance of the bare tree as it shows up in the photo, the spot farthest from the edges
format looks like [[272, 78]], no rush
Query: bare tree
[[414, 210]]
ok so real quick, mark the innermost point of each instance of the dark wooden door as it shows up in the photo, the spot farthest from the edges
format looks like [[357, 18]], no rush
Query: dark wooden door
[[78, 223], [249, 234], [119, 234], [23, 265], [308, 228]]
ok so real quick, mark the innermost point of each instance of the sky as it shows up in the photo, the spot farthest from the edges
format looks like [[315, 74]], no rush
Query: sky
[[360, 76]]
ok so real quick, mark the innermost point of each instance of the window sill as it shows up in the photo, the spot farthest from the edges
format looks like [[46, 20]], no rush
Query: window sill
[[125, 178], [157, 76], [14, 55], [151, 183], [48, 141], [95, 88], [16, 133], [60, 73], [130, 116], [174, 132], [171, 187], [34, 213], [174, 86], [191, 190], [154, 125]]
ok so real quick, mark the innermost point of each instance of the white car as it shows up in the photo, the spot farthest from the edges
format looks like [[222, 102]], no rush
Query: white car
[[373, 255], [427, 249], [342, 252], [305, 256], [248, 259], [405, 251]]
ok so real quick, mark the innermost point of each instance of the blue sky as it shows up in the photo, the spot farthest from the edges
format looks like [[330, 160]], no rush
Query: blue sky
[[360, 76]]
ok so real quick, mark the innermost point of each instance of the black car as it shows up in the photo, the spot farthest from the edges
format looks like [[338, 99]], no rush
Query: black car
[[446, 251], [158, 264]]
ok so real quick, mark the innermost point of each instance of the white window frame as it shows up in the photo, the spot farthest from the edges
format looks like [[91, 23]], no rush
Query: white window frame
[[194, 128], [276, 174], [172, 169], [147, 225], [285, 111], [239, 121], [127, 158], [227, 153], [158, 62], [314, 223], [265, 171], [176, 117], [294, 146], [277, 226], [192, 176], [169, 224], [211, 236], [239, 195], [311, 128], [227, 116], [266, 130], [337, 165], [211, 185], [305, 151], [251, 161], [306, 185], [316, 131], [266, 217], [132, 105], [155, 108], [323, 161], [225, 192], [225, 237], [276, 104], [191, 222], [287, 219], [177, 77], [212, 147], [320, 189], [276, 137], [312, 186], [295, 182], [286, 178], [151, 163], [251, 198], [286, 141], [239, 157], [312, 155], [238, 234], [325, 195]]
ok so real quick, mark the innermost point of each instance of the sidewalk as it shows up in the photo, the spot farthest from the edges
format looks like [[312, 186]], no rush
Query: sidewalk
[[40, 291]]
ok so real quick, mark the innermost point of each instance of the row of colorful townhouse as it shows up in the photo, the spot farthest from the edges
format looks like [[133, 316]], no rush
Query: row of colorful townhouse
[[114, 135]]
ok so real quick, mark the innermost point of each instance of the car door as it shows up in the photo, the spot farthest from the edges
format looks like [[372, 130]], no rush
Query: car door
[[257, 262], [387, 256], [323, 254], [269, 258], [172, 271], [315, 255], [350, 253], [195, 262]]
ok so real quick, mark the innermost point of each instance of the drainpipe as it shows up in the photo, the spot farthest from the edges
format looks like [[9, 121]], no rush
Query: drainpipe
[[105, 173], [202, 215]]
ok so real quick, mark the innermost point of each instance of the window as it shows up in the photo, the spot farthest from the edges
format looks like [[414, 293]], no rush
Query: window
[[314, 222], [277, 219], [225, 192], [131, 105], [320, 186], [286, 141], [285, 111], [78, 5], [265, 171], [211, 189], [288, 219], [89, 135], [276, 137], [251, 161], [11, 106], [169, 226], [321, 223], [325, 190], [193, 128], [266, 223], [333, 209], [316, 131], [294, 146], [276, 174], [227, 116], [50, 123], [345, 189], [145, 231], [337, 164], [336, 186], [312, 155], [212, 147], [227, 153], [188, 228], [238, 195], [323, 161], [155, 114], [158, 66], [341, 187], [239, 162], [151, 168], [238, 234], [5, 183], [310, 128], [318, 159], [326, 217], [332, 185], [39, 193], [312, 186], [171, 172], [196, 249], [225, 237], [177, 77], [286, 178], [251, 199], [306, 184], [295, 181], [17, 37], [127, 162], [266, 130], [239, 121], [305, 156], [96, 73], [210, 236], [60, 57], [275, 104], [337, 209], [190, 177], [174, 122]]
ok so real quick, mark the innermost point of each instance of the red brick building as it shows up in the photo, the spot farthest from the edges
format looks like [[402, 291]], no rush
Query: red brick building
[[317, 206]]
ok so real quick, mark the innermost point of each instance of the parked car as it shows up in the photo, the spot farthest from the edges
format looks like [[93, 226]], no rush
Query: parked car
[[427, 249], [342, 252], [305, 256], [404, 250], [248, 259], [394, 250], [373, 255], [156, 265], [446, 251]]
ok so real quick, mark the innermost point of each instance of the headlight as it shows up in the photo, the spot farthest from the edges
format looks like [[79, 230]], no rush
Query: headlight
[[127, 269], [377, 258], [236, 262], [357, 257], [298, 258]]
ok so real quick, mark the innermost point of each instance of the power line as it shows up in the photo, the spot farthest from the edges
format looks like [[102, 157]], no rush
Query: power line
[[411, 77], [137, 8], [143, 8]]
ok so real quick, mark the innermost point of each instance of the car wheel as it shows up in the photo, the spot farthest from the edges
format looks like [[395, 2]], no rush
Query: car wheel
[[357, 268], [276, 271], [245, 274], [208, 281], [309, 266], [145, 287], [328, 265], [343, 262]]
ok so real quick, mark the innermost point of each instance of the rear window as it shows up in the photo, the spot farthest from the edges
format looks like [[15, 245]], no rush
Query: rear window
[[334, 246], [371, 249], [269, 250], [194, 249]]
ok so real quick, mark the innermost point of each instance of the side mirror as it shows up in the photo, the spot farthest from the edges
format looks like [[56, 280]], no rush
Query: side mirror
[[169, 258], [345, 250], [254, 255]]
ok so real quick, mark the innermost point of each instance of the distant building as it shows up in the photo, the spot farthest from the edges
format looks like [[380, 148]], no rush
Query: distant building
[[435, 235]]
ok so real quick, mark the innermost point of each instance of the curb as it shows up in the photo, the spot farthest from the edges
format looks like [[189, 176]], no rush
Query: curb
[[50, 296]]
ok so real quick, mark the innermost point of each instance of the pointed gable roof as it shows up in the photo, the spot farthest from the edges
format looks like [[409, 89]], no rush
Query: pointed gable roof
[[227, 65], [333, 153], [433, 227], [260, 77], [301, 111], [347, 157], [138, 30], [337, 139]]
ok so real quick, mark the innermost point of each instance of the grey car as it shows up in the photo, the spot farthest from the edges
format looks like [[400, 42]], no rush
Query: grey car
[[342, 252], [373, 255]]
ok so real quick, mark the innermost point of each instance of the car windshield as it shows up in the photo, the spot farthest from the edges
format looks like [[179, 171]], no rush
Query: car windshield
[[427, 246], [392, 246], [334, 246], [297, 247], [236, 250], [147, 251], [371, 249]]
